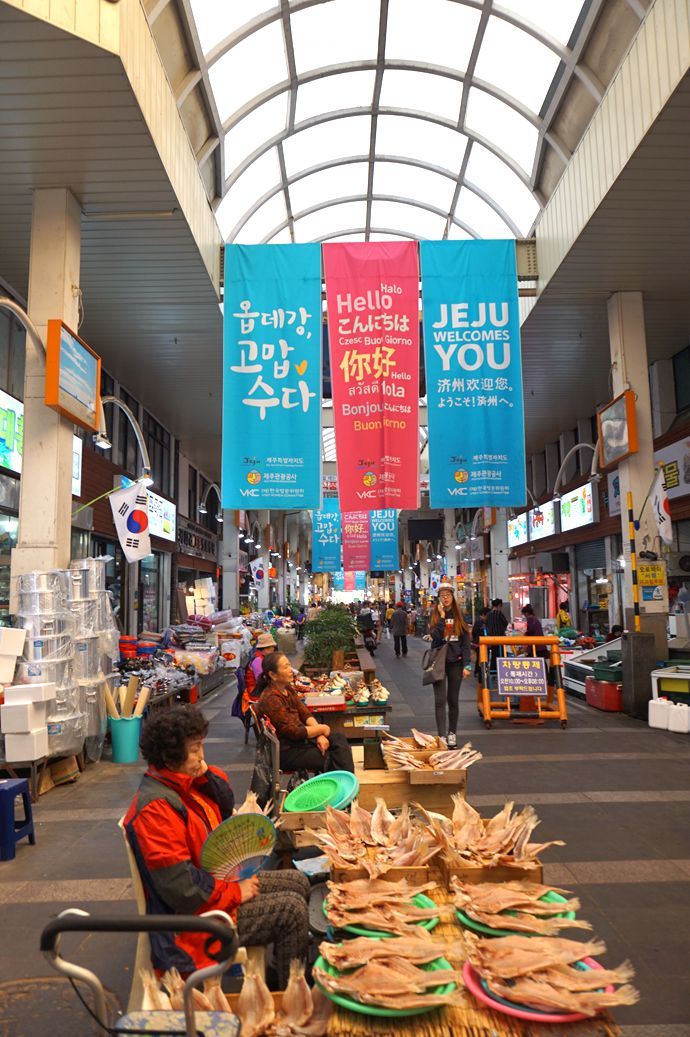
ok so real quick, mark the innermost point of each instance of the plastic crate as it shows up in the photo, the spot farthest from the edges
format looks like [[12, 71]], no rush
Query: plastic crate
[[605, 695]]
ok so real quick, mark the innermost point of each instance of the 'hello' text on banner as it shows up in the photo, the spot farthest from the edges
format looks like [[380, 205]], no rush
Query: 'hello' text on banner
[[356, 540], [272, 377], [473, 373], [373, 320]]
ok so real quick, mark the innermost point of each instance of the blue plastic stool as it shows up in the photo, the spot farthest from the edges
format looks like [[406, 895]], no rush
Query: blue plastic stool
[[10, 830]]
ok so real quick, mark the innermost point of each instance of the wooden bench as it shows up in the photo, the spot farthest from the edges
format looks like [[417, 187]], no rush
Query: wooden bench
[[366, 664]]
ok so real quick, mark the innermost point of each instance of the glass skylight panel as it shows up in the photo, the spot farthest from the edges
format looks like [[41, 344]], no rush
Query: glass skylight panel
[[283, 237], [556, 18], [418, 138], [254, 130], [252, 66], [421, 92], [436, 32], [328, 444], [333, 32], [341, 181], [397, 178], [263, 222], [419, 222], [261, 176], [344, 217], [515, 62], [347, 90], [456, 233], [493, 176], [480, 217], [337, 138], [503, 126], [214, 21]]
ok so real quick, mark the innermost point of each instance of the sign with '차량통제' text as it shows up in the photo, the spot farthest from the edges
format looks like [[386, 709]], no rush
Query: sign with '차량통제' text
[[272, 377], [473, 374], [520, 675]]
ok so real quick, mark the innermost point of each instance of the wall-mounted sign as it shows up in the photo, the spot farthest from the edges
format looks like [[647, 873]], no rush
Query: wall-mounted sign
[[73, 376], [194, 540], [12, 441], [517, 530], [617, 423], [162, 512], [542, 521], [579, 508]]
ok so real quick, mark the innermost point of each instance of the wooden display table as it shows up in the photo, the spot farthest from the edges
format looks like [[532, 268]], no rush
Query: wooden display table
[[352, 722], [432, 789]]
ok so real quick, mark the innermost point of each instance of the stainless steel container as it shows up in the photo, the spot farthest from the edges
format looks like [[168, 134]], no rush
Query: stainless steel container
[[79, 584], [95, 567], [53, 580], [48, 648], [66, 733], [58, 672], [104, 613], [47, 624], [31, 602], [87, 657], [85, 613]]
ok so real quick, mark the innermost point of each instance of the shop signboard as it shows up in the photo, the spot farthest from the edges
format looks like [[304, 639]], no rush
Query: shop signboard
[[356, 540], [272, 377], [517, 530], [473, 374], [195, 540], [521, 676], [384, 539], [372, 293], [653, 583], [325, 538], [73, 376], [12, 441], [579, 508], [614, 493], [542, 521]]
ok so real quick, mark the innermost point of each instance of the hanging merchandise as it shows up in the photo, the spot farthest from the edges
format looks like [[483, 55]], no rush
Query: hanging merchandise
[[130, 507], [272, 377], [325, 546], [356, 541], [662, 512], [473, 374], [384, 539], [373, 328]]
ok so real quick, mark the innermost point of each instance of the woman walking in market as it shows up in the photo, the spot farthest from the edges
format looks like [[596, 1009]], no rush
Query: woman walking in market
[[448, 627]]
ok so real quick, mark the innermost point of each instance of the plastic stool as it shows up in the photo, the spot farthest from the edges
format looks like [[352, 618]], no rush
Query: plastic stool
[[10, 830]]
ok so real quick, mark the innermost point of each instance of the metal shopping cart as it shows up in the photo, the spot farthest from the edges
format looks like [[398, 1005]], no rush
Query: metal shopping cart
[[221, 946]]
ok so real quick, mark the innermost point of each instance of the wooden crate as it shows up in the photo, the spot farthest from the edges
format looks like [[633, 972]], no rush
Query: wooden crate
[[416, 876], [295, 826], [432, 789], [501, 873]]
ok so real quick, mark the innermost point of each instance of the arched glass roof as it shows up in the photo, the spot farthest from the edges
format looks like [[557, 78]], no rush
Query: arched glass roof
[[351, 119]]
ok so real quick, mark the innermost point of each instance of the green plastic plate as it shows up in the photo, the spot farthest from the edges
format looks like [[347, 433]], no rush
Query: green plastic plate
[[347, 1001], [314, 794], [348, 787], [485, 930], [419, 901]]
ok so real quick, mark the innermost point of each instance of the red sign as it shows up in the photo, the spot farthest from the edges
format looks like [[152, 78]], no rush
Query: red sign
[[356, 540], [349, 581], [372, 291]]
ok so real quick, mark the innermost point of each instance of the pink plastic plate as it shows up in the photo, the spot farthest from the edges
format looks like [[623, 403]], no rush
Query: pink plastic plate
[[474, 985]]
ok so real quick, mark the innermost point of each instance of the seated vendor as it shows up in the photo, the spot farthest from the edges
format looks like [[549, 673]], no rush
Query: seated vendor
[[180, 800], [304, 743]]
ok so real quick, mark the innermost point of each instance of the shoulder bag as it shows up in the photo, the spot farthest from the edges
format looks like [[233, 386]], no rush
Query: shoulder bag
[[434, 664]]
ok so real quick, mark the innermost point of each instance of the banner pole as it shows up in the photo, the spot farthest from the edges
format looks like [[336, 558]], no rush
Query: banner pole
[[633, 564]]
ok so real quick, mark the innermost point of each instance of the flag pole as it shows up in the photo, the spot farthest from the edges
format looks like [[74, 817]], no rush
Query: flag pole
[[633, 564]]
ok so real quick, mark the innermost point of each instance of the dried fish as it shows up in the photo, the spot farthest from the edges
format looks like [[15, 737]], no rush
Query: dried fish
[[297, 1005], [503, 839], [255, 1007]]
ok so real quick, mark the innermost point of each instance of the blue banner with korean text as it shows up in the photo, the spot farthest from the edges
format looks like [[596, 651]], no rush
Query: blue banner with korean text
[[326, 538], [383, 525], [272, 377], [473, 374]]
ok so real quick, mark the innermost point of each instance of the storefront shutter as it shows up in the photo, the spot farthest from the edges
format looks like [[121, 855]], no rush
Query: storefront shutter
[[591, 555]]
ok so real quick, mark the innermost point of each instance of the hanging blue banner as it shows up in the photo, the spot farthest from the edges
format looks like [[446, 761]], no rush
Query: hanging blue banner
[[339, 580], [383, 527], [473, 374], [360, 580], [272, 377], [325, 538]]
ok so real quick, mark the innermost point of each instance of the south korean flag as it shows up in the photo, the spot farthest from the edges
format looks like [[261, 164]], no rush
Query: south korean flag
[[130, 508]]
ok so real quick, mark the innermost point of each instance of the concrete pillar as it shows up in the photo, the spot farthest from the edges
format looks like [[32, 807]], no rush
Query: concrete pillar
[[45, 501], [663, 391], [630, 371], [230, 561], [449, 540], [500, 585]]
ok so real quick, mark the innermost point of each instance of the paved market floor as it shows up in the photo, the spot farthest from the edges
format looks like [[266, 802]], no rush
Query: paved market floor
[[617, 792]]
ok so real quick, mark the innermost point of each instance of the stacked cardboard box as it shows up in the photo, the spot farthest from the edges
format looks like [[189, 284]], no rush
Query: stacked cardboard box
[[11, 646], [23, 719]]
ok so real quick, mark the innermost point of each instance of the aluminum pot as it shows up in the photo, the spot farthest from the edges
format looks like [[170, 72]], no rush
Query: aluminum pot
[[85, 613], [31, 602], [95, 567], [87, 656], [57, 647], [57, 672], [47, 624], [53, 580]]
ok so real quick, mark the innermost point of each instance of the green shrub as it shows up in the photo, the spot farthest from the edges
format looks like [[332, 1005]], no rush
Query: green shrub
[[332, 631]]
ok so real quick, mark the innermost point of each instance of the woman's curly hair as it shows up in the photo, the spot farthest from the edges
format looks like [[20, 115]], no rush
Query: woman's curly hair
[[166, 733]]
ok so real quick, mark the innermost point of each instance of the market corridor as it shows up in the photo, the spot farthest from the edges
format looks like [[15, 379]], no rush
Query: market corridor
[[617, 792]]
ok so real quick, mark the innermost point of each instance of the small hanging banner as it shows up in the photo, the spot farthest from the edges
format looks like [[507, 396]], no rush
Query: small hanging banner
[[325, 545], [130, 507], [473, 374], [372, 291], [258, 572], [356, 540], [272, 377], [384, 539]]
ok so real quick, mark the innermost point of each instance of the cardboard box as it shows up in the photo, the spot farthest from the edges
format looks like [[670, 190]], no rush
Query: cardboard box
[[26, 747], [17, 718], [59, 773], [8, 664], [12, 641], [19, 694]]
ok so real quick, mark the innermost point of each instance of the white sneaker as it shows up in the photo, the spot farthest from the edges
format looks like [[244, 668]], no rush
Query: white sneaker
[[451, 740]]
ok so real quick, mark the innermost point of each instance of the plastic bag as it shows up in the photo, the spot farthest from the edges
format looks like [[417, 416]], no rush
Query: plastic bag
[[262, 778]]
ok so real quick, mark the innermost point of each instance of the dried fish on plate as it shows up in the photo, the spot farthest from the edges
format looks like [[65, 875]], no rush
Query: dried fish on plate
[[517, 906], [420, 947]]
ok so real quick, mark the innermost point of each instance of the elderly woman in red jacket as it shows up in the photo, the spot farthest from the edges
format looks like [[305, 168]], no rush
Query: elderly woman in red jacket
[[180, 800]]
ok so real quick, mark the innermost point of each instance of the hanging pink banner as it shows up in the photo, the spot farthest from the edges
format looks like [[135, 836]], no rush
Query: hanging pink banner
[[372, 291], [356, 540]]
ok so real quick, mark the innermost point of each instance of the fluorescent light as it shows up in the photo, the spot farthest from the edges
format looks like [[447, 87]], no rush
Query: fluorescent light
[[101, 440], [202, 509]]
